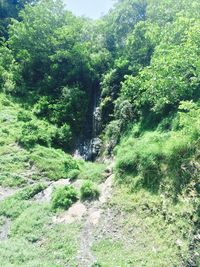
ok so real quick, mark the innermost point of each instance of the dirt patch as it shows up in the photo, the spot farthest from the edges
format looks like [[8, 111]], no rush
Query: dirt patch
[[110, 226], [6, 192], [75, 213], [106, 190], [4, 229]]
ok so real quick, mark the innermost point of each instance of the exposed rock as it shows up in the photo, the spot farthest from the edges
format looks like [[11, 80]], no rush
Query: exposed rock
[[75, 213], [45, 195]]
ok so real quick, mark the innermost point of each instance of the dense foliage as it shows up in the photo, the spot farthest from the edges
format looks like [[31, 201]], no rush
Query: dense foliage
[[142, 59], [140, 64]]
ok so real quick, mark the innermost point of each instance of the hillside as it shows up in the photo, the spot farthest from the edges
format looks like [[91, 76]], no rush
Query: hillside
[[129, 229], [100, 135]]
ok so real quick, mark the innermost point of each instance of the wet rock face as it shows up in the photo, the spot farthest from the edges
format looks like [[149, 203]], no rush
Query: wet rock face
[[96, 144], [90, 144], [89, 150]]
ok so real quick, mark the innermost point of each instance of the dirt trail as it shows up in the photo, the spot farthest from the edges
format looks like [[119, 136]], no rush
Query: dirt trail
[[88, 213], [85, 257]]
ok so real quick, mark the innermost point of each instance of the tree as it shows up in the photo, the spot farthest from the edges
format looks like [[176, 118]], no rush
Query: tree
[[10, 9]]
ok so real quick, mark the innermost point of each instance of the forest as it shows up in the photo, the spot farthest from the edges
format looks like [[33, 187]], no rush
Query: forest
[[100, 135]]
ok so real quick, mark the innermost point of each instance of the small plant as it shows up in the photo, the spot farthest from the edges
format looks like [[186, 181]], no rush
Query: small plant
[[89, 191], [96, 265], [24, 116], [92, 171], [73, 174], [64, 197], [63, 137]]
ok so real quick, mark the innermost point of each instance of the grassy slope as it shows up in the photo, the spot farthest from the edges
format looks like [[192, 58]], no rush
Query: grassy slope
[[158, 173], [148, 231], [33, 239], [140, 228]]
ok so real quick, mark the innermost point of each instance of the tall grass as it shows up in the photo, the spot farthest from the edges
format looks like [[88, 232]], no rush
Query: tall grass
[[158, 158]]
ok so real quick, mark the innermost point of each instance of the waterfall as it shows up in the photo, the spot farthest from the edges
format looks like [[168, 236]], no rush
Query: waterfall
[[89, 145]]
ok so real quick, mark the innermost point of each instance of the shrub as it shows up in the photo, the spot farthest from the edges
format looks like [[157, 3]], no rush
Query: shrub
[[64, 197], [40, 132], [9, 74], [42, 107], [63, 137], [89, 191], [24, 116], [36, 132], [112, 135], [141, 157]]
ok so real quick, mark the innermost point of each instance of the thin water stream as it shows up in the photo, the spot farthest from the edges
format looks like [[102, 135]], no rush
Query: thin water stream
[[89, 145]]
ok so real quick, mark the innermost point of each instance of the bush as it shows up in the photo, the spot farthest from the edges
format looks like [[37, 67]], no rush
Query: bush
[[89, 191], [40, 132], [36, 132], [112, 135], [42, 108], [63, 137], [140, 156], [64, 197], [9, 74], [30, 191], [24, 116]]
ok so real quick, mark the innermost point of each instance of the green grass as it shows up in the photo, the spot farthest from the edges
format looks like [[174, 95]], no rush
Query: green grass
[[57, 248], [34, 240], [13, 163], [153, 228], [13, 159], [13, 206], [30, 224], [92, 171], [149, 229], [156, 160], [53, 163], [16, 161]]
